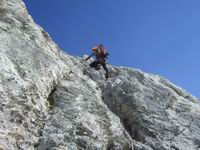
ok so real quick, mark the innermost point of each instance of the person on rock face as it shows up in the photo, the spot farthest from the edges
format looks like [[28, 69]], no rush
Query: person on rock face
[[101, 56]]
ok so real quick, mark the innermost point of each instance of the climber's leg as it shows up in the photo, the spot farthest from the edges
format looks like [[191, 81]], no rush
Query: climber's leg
[[105, 68], [95, 64]]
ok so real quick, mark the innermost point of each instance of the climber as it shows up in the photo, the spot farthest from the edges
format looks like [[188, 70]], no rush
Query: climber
[[101, 55]]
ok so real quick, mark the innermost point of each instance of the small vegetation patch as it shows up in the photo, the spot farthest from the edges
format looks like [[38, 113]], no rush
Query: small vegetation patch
[[50, 99]]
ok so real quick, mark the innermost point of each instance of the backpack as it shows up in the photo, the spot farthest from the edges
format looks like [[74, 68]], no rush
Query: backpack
[[101, 53]]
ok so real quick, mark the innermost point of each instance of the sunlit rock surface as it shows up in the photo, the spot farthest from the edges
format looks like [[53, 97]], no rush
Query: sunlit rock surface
[[154, 111], [51, 100]]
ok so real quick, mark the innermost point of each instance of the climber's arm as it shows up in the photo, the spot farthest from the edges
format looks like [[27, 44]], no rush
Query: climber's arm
[[89, 57]]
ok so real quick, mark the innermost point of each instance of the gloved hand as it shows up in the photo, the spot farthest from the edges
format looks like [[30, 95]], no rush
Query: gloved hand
[[85, 59]]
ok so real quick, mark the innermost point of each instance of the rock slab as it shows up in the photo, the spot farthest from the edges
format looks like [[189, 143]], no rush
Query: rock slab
[[50, 100]]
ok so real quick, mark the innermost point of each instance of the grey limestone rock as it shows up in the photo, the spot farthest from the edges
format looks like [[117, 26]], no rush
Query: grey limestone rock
[[154, 111], [50, 100], [30, 66]]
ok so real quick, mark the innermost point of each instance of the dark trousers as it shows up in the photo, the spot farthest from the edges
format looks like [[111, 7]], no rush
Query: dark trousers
[[95, 64]]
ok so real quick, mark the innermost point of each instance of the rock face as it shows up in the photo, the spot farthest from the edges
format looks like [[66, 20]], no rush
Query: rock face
[[50, 100], [30, 66], [154, 111]]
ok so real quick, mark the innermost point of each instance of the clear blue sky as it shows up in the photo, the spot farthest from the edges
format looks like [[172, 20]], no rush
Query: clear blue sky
[[156, 36]]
